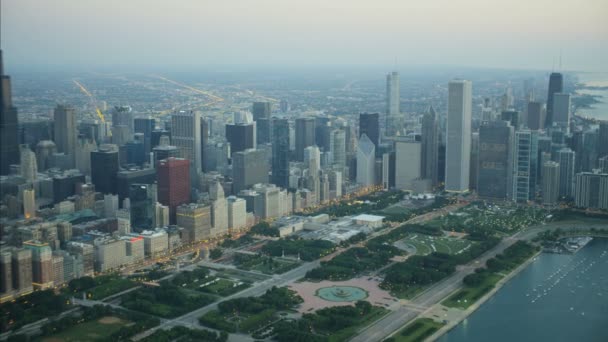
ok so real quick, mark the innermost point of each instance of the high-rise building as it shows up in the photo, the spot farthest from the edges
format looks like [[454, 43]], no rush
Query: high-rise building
[[104, 167], [142, 198], [566, 158], [458, 144], [44, 151], [6, 274], [513, 117], [603, 164], [535, 116], [407, 164], [84, 147], [312, 160], [550, 181], [161, 215], [525, 161], [237, 213], [591, 190], [195, 218], [392, 104], [561, 110], [261, 115], [186, 135], [65, 130], [366, 161], [556, 85], [280, 152], [173, 179], [494, 176], [122, 116], [9, 139], [430, 146], [337, 147], [249, 167], [305, 135], [22, 270], [602, 139], [29, 203], [241, 136], [146, 127], [42, 266], [219, 210], [369, 125], [29, 167]]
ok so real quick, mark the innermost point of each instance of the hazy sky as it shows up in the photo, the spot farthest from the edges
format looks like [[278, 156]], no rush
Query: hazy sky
[[485, 33]]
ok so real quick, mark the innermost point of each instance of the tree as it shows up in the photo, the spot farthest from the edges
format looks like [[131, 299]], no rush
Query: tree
[[216, 253]]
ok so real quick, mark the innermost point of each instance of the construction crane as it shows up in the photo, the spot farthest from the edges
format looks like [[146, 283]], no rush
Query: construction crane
[[92, 99]]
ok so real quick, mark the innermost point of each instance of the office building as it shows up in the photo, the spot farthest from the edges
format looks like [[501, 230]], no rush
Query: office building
[[195, 218], [566, 158], [29, 167], [513, 117], [430, 146], [65, 130], [494, 173], [369, 125], [536, 113], [161, 215], [591, 190], [156, 242], [84, 147], [525, 161], [142, 198], [29, 203], [556, 85], [9, 125], [219, 210], [280, 152], [337, 147], [186, 136], [44, 151], [392, 104], [407, 164], [145, 126], [550, 181], [366, 161], [249, 167], [42, 265], [561, 110], [104, 167], [22, 270], [110, 254], [602, 139], [237, 213], [173, 179], [261, 115], [122, 116], [241, 136], [458, 144], [305, 136]]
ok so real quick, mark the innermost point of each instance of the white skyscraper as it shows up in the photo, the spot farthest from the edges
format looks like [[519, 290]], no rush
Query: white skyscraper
[[29, 168], [392, 103], [237, 212], [219, 210], [312, 158], [458, 145], [407, 163], [366, 161], [29, 203], [186, 135]]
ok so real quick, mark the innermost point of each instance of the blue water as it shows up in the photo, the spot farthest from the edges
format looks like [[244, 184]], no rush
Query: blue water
[[556, 298], [598, 110]]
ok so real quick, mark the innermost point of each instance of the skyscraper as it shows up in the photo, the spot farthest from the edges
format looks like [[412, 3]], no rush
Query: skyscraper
[[249, 167], [305, 135], [240, 136], [366, 161], [556, 85], [495, 160], [29, 203], [261, 115], [9, 140], [29, 167], [535, 116], [104, 167], [392, 104], [186, 135], [602, 142], [525, 158], [566, 158], [430, 146], [42, 266], [173, 178], [337, 147], [561, 110], [407, 164], [369, 125], [195, 218], [145, 126], [122, 116], [550, 181], [280, 152], [458, 146], [65, 130], [591, 190]]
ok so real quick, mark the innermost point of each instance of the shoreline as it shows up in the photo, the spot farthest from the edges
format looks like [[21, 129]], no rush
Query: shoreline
[[471, 309]]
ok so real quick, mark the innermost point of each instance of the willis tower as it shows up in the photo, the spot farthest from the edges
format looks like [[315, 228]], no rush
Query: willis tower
[[9, 141]]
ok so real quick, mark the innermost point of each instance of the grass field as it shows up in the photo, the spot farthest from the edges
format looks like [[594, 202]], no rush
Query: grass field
[[97, 330], [469, 295], [419, 330], [426, 244], [109, 285], [346, 334], [264, 264], [221, 287]]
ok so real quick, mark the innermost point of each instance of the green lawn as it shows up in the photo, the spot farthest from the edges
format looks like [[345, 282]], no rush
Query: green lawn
[[469, 295], [108, 286], [426, 244], [221, 287], [97, 330], [418, 331], [264, 264]]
